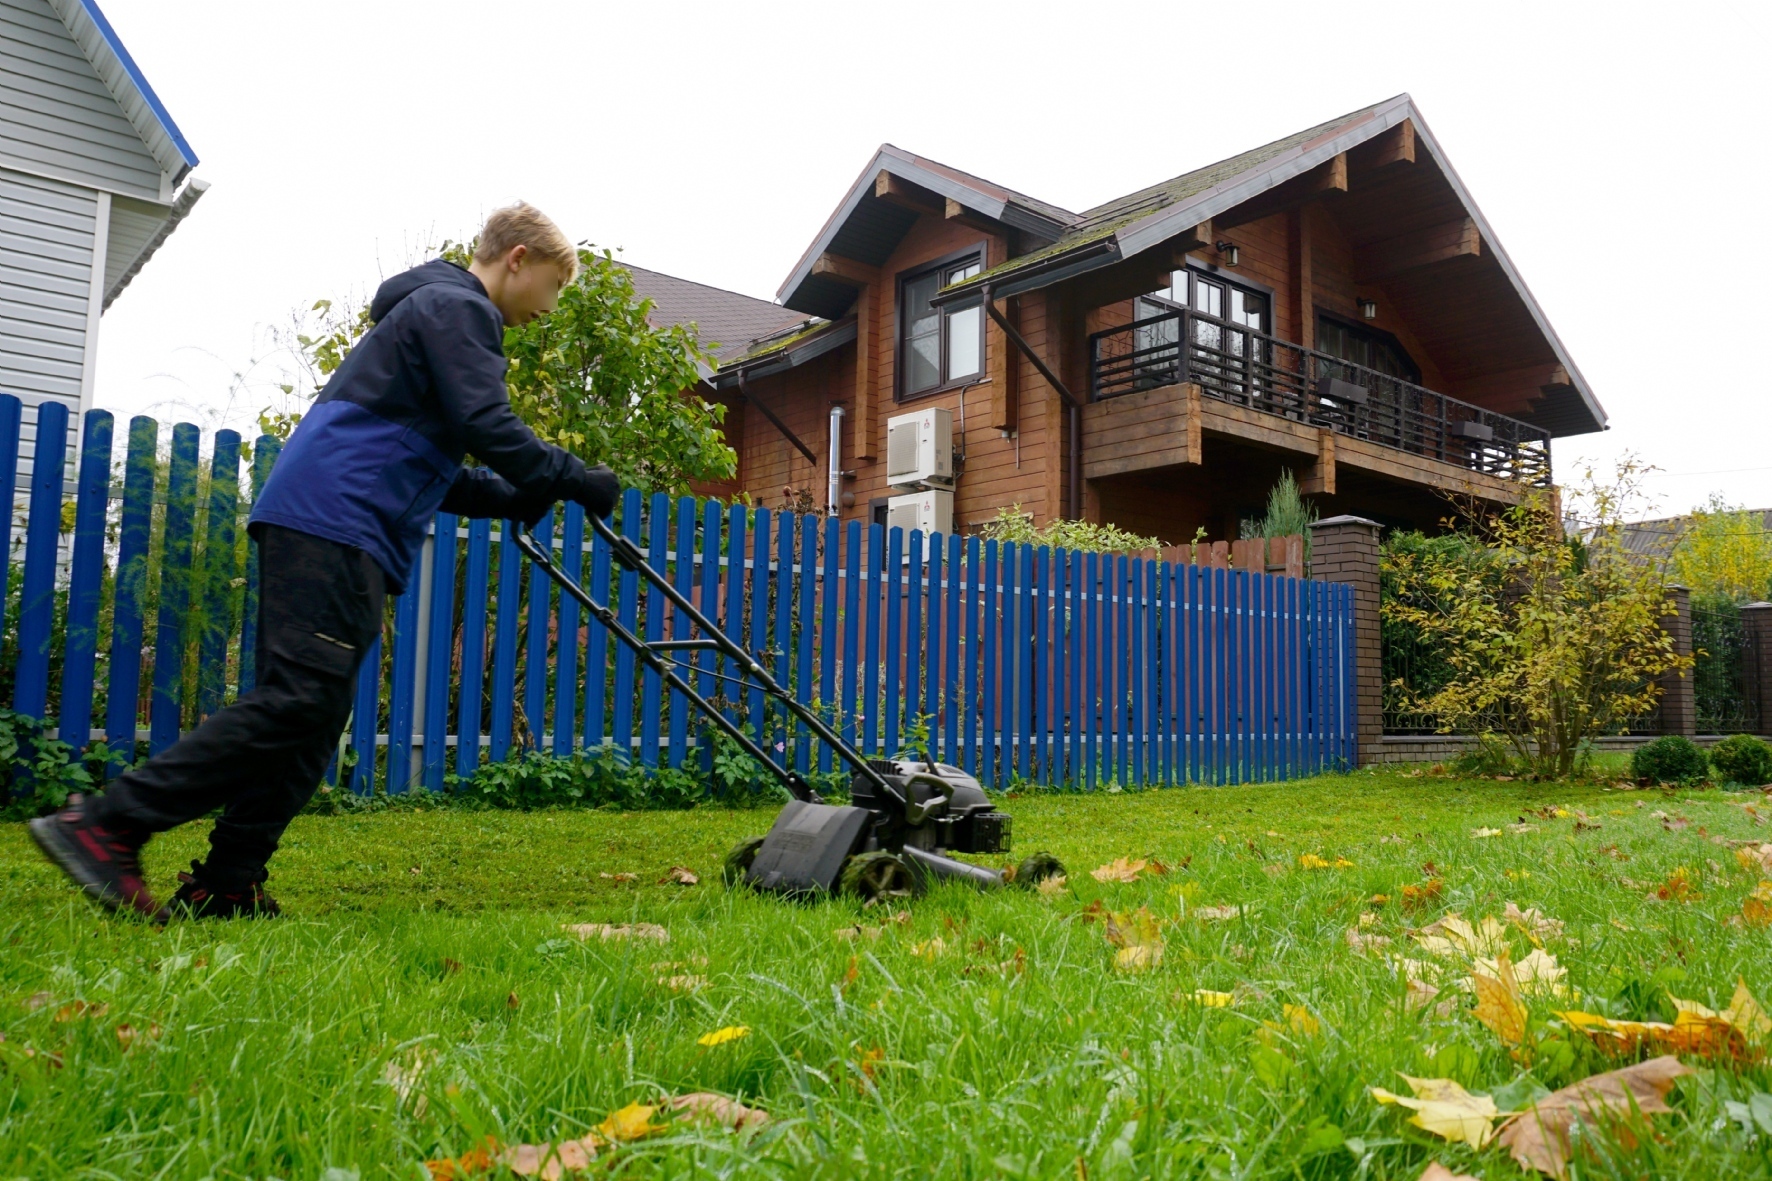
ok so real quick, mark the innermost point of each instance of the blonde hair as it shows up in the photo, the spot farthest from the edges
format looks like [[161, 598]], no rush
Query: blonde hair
[[523, 224]]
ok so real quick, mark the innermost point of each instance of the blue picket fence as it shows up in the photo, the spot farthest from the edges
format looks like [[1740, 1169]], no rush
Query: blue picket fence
[[1015, 662]]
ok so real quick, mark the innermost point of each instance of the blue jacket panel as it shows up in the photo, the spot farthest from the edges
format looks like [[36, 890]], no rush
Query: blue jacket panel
[[380, 452]]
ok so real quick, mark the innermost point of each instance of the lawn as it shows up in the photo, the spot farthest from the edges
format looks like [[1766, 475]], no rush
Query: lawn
[[423, 996]]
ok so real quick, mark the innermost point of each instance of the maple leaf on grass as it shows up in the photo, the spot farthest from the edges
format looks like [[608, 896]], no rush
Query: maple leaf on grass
[[1120, 869], [1756, 908], [1538, 974], [1738, 1032], [1453, 935], [1539, 1137], [1534, 922], [608, 931], [1436, 1171], [1498, 1002], [1446, 1109], [1137, 938]]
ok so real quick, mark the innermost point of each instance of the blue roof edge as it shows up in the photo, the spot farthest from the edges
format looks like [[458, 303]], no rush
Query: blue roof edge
[[141, 81]]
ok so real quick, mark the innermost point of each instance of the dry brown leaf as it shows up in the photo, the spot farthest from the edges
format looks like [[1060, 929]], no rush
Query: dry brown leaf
[[1756, 908], [1755, 859], [633, 1122], [1138, 938], [1533, 922], [1417, 896], [1419, 995], [128, 1035], [683, 983], [1538, 974], [37, 1000], [1051, 887], [680, 874], [74, 1010], [1522, 828], [1120, 869], [1738, 1032], [608, 931], [1215, 914], [451, 967], [1453, 935], [619, 877], [513, 1001], [1498, 1002], [1539, 1136], [1436, 1171], [708, 1107], [1677, 888], [1362, 942], [1446, 1109]]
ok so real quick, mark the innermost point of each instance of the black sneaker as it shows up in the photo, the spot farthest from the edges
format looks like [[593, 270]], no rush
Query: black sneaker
[[104, 862], [198, 899]]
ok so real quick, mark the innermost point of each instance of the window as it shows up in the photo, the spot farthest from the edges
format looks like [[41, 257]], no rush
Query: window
[[1363, 346], [1220, 354], [938, 346]]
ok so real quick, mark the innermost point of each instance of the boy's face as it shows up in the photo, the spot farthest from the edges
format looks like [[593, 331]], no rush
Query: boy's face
[[522, 286]]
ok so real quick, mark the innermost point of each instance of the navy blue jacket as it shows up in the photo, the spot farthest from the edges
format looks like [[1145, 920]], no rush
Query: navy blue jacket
[[380, 452]]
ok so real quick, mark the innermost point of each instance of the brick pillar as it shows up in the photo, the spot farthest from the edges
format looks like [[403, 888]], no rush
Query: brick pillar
[[1345, 549], [1679, 706], [1756, 673]]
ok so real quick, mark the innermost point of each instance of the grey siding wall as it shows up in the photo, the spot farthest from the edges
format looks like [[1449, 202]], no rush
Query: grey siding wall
[[46, 250], [56, 117]]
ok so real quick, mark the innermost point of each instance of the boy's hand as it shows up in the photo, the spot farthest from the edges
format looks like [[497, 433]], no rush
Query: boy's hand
[[598, 491]]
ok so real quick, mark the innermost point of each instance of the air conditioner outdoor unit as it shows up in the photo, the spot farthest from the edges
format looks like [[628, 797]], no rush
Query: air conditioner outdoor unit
[[931, 510], [920, 449]]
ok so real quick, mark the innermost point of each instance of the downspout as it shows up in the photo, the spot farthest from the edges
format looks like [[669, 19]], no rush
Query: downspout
[[833, 497], [1074, 501]]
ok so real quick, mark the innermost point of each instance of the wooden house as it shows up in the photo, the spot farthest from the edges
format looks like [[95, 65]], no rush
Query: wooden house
[[94, 175], [1333, 304]]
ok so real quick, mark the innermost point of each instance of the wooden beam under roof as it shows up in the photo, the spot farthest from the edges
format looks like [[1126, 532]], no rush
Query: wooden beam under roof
[[1331, 175], [1458, 238], [1325, 180], [895, 190], [960, 215], [845, 270], [1396, 146]]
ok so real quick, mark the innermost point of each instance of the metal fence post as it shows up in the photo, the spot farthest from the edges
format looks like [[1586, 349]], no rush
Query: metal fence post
[[1679, 704], [1756, 675]]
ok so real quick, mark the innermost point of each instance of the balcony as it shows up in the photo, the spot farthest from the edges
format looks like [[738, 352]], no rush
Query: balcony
[[1231, 363]]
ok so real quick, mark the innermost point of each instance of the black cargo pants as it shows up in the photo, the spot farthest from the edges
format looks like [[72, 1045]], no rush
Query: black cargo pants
[[261, 759]]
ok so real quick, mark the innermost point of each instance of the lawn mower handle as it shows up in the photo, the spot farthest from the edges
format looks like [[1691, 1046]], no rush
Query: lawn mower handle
[[655, 658]]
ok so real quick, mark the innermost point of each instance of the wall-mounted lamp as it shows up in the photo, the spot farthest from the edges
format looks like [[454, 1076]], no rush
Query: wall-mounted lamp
[[1227, 251], [1368, 309]]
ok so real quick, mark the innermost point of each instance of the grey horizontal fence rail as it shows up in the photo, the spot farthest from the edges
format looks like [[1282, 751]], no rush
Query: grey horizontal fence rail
[[1018, 663], [1236, 364]]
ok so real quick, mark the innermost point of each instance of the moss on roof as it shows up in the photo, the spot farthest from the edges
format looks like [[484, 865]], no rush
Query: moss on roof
[[765, 346], [1105, 220]]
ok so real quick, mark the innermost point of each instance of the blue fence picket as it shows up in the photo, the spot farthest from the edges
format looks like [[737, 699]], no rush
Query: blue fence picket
[[475, 587], [365, 719], [830, 631], [990, 682], [683, 578], [165, 712], [930, 691], [781, 640], [504, 644], [265, 450], [913, 639], [627, 613], [953, 708], [757, 636], [42, 535], [123, 693], [707, 662], [870, 666], [85, 577], [969, 703], [538, 618], [658, 523], [892, 651], [732, 619], [572, 542], [403, 687], [852, 665], [439, 643], [597, 641], [806, 588], [11, 431], [221, 567]]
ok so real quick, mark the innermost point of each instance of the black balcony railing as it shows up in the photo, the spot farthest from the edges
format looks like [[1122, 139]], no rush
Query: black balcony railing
[[1237, 364]]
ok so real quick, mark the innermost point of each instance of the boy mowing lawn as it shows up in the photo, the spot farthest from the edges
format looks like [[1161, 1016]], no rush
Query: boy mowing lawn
[[338, 526]]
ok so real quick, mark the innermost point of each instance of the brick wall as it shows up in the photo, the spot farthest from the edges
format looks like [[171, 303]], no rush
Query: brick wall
[[1345, 549]]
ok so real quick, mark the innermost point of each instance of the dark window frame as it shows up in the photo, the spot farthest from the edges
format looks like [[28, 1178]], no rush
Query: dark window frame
[[1377, 335], [900, 323], [1224, 277]]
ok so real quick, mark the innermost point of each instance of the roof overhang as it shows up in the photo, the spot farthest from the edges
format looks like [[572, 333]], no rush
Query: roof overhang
[[804, 291], [96, 38], [175, 213], [790, 354], [1143, 233]]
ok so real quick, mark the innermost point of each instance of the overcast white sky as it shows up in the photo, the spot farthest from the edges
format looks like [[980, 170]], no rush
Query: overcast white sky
[[1619, 151]]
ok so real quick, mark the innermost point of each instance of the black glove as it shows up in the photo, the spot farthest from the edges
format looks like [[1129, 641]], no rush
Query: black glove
[[598, 491]]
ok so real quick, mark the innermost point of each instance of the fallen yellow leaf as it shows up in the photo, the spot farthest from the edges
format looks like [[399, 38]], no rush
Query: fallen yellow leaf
[[1756, 908], [1677, 888], [929, 949], [720, 1037], [1484, 833], [1301, 1020], [1533, 922], [1213, 1000], [1446, 1109], [1754, 860], [1436, 1171], [1138, 937], [1454, 936], [608, 931], [1119, 870], [1215, 914], [632, 1122], [1538, 974], [1051, 887], [1498, 1002]]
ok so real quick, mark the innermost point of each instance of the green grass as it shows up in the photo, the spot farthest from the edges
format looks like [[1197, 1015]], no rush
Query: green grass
[[276, 1038]]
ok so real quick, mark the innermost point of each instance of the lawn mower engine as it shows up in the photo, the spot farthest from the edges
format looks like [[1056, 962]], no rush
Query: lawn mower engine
[[908, 814]]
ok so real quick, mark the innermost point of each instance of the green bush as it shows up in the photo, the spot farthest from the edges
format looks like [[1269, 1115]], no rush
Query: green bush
[[1670, 759], [1742, 758]]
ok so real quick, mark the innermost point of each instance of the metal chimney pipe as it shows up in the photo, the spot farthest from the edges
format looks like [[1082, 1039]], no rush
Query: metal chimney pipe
[[834, 494]]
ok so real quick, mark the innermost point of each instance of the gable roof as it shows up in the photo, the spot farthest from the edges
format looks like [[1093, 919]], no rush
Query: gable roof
[[865, 228], [727, 321], [96, 38]]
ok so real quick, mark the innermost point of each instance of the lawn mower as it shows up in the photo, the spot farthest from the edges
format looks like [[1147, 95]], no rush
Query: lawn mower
[[907, 814]]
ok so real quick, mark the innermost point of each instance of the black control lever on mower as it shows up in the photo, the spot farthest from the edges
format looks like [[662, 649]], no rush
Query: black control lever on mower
[[713, 639]]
